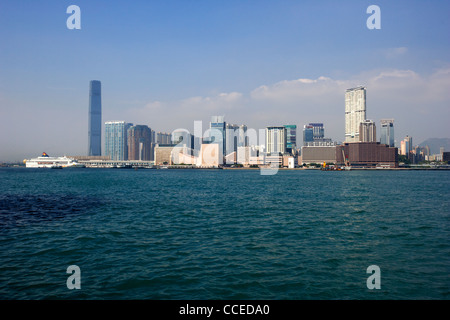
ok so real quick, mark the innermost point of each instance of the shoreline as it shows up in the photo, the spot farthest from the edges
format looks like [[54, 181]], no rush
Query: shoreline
[[247, 168]]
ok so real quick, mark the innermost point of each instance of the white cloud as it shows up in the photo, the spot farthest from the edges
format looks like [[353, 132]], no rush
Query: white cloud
[[415, 101], [393, 53], [295, 90]]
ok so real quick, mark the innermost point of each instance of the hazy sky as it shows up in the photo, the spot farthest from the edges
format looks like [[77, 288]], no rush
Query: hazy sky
[[168, 63]]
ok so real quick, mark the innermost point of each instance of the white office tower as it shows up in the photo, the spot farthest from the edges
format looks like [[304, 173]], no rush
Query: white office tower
[[276, 140]]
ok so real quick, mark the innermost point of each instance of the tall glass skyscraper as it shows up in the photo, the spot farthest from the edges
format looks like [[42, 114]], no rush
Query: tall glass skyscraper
[[318, 131], [116, 139], [313, 132], [387, 132], [231, 137], [308, 135], [291, 138], [95, 119], [217, 128]]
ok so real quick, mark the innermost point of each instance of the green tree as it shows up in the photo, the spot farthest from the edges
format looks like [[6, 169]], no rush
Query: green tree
[[404, 159]]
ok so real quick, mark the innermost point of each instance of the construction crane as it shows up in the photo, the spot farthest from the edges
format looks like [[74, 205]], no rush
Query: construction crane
[[346, 162]]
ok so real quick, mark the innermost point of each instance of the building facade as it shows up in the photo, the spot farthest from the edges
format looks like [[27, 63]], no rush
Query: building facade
[[291, 138], [367, 154], [318, 154], [318, 130], [217, 134], [406, 146], [163, 138], [367, 131], [308, 135], [243, 138], [95, 119], [276, 140], [387, 132], [355, 112], [313, 133], [446, 156], [231, 138], [116, 139], [163, 154], [139, 143]]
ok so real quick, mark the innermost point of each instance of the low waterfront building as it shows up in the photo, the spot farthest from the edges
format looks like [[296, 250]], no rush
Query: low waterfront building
[[210, 155], [367, 154], [90, 158], [163, 154], [257, 160], [244, 154], [274, 159], [116, 163], [230, 158], [318, 154], [289, 161]]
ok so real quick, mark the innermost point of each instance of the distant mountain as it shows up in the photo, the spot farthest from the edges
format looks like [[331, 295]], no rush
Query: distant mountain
[[435, 144]]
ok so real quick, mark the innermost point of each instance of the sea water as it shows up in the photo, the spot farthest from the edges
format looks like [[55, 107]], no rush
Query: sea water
[[224, 234]]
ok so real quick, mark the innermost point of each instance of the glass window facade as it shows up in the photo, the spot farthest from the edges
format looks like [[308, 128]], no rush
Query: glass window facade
[[95, 119], [387, 132], [116, 138], [291, 138]]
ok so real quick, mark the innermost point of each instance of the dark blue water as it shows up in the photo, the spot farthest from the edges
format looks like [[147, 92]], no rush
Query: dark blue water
[[224, 234]]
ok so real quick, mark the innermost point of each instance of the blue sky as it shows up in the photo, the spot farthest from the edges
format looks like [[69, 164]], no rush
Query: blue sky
[[168, 63]]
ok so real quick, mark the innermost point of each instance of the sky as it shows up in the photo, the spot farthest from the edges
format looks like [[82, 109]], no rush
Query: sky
[[168, 63]]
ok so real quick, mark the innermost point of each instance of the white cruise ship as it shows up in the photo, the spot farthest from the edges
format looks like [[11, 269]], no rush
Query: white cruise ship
[[45, 161]]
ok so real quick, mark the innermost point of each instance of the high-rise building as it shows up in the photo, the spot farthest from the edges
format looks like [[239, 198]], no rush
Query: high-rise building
[[318, 131], [217, 128], [355, 112], [402, 147], [95, 119], [367, 131], [313, 134], [163, 138], [231, 137], [116, 141], [153, 144], [406, 146], [308, 134], [387, 132], [182, 137], [291, 138], [139, 143], [243, 138], [276, 140], [408, 143]]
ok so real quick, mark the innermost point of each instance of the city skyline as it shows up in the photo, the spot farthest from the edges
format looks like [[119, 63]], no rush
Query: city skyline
[[273, 65]]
